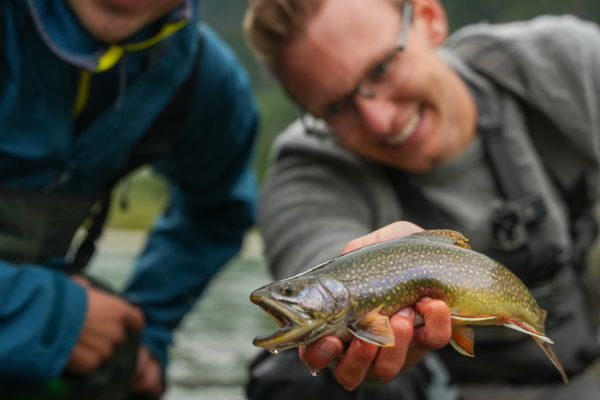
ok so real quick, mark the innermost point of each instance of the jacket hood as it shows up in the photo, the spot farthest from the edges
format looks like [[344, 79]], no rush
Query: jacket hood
[[68, 39]]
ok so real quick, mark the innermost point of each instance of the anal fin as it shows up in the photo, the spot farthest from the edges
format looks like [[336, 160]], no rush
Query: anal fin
[[527, 329]]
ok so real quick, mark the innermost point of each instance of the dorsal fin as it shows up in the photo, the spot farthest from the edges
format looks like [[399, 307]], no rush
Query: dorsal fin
[[445, 236]]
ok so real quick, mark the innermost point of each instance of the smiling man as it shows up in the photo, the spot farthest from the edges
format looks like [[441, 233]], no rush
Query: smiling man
[[89, 91], [492, 132]]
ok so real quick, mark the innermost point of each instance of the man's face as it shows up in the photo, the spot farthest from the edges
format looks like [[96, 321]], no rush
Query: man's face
[[115, 20], [423, 114]]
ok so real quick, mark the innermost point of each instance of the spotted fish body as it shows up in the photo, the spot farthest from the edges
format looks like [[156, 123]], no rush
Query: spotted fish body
[[402, 271], [358, 291]]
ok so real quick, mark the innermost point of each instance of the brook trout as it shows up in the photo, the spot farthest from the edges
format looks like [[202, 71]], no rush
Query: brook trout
[[357, 292]]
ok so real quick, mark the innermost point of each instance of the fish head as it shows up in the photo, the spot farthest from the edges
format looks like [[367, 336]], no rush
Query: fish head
[[305, 308]]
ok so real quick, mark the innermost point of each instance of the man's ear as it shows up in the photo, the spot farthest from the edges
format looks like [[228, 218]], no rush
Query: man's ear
[[432, 16]]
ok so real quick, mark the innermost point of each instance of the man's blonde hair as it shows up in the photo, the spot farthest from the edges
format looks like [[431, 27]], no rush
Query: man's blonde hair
[[270, 25]]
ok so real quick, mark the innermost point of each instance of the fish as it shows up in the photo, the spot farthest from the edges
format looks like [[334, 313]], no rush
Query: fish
[[356, 293]]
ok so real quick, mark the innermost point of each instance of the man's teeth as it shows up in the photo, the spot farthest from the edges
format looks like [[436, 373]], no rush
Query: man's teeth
[[406, 132]]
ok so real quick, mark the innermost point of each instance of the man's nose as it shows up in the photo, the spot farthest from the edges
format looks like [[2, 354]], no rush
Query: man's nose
[[376, 114]]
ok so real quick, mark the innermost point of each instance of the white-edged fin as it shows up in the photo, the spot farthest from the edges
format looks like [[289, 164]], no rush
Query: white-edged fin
[[463, 339], [374, 328], [466, 320], [545, 346], [532, 333]]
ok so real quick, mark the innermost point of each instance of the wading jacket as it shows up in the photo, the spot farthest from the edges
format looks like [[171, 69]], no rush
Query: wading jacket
[[71, 111]]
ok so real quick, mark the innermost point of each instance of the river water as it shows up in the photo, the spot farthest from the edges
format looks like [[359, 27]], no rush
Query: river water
[[214, 343]]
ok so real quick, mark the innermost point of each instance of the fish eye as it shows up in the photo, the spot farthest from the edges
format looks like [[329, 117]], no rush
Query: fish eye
[[288, 290]]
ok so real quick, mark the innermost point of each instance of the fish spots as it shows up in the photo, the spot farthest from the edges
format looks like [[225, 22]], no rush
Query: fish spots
[[399, 271], [388, 276]]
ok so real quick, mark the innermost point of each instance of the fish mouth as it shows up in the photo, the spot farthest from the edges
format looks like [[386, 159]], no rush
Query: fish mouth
[[295, 324]]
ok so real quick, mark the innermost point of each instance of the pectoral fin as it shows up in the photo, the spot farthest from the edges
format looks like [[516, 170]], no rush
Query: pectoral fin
[[374, 328], [446, 236], [463, 339]]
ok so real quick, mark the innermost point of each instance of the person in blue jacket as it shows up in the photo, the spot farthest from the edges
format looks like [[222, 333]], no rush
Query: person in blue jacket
[[89, 90]]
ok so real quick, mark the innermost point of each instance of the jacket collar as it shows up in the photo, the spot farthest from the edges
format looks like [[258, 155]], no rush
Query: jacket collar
[[66, 37]]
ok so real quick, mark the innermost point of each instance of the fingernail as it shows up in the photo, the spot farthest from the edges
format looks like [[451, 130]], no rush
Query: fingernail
[[327, 350], [418, 320], [424, 299], [407, 312]]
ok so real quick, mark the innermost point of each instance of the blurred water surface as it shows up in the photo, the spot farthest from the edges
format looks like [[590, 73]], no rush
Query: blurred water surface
[[214, 343]]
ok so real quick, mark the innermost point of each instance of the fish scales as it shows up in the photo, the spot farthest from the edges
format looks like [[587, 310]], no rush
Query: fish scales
[[403, 272], [356, 292]]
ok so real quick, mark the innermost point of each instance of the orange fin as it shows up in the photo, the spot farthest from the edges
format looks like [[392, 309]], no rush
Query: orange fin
[[524, 327], [446, 236], [463, 339], [547, 348], [374, 328]]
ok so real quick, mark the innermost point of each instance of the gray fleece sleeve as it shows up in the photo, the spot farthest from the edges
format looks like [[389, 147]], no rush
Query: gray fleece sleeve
[[315, 199]]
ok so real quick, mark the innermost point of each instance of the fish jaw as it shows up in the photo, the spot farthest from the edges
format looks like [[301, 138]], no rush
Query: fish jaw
[[317, 307], [295, 325]]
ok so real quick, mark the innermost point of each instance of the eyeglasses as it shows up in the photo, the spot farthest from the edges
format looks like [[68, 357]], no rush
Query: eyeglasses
[[377, 78]]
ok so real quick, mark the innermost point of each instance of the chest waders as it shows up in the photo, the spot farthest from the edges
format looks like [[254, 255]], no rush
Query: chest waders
[[559, 279], [39, 227]]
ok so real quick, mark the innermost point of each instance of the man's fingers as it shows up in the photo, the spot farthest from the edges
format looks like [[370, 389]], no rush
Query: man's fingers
[[148, 374], [100, 345], [134, 318], [107, 320], [438, 327], [83, 360], [391, 231], [352, 368], [82, 280], [391, 360], [322, 352]]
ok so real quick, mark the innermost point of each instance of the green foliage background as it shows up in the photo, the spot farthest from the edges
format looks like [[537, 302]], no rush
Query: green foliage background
[[146, 193]]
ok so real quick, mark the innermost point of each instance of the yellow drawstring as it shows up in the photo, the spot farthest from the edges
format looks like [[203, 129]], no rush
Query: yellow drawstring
[[166, 30], [115, 52], [83, 91], [112, 56]]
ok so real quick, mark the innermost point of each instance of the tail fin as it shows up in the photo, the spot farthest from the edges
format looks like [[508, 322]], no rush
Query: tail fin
[[547, 348]]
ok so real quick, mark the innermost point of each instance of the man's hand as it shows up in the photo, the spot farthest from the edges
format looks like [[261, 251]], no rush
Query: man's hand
[[363, 360], [148, 374], [107, 320]]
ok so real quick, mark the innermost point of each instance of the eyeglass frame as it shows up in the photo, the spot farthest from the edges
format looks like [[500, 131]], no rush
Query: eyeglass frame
[[361, 88]]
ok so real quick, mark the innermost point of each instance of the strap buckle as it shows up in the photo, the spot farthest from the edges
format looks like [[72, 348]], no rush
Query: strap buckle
[[512, 219]]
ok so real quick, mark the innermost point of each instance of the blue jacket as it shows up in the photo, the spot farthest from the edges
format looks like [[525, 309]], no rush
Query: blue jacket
[[50, 71]]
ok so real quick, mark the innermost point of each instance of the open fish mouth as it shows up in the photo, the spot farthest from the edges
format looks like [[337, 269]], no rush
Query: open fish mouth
[[295, 324]]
